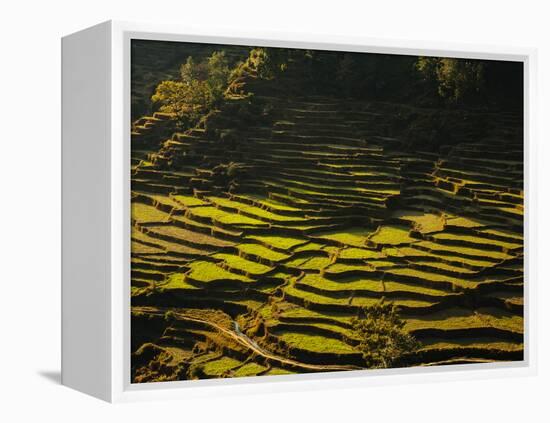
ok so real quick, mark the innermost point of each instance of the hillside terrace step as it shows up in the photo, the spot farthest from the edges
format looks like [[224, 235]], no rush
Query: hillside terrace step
[[450, 355], [373, 182], [487, 191], [187, 222], [495, 170], [357, 173], [265, 203], [376, 294], [417, 190], [314, 131], [300, 139], [324, 207], [345, 307], [491, 164], [358, 158], [342, 114], [448, 251], [325, 193], [146, 275], [292, 125], [473, 176], [139, 264], [148, 186], [358, 145], [195, 240], [502, 196], [162, 258], [153, 175], [471, 152]]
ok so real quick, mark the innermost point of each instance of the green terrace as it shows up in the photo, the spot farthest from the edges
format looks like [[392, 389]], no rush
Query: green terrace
[[266, 271]]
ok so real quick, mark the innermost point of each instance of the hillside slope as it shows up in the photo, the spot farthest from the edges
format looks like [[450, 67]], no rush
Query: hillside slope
[[255, 242]]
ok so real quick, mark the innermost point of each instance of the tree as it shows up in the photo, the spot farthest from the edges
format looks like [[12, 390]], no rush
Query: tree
[[346, 74], [191, 71], [456, 80], [199, 89], [218, 72], [383, 342]]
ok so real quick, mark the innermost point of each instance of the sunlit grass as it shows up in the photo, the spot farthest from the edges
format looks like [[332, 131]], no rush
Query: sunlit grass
[[144, 213], [434, 277], [276, 371], [503, 233], [250, 369], [315, 343], [475, 240], [461, 318], [188, 236], [474, 252], [465, 222], [188, 200], [355, 237], [169, 247], [225, 217], [204, 271], [310, 246], [220, 366], [349, 285], [392, 235], [469, 343], [240, 263], [281, 242], [360, 253], [423, 222], [261, 251], [444, 266], [177, 281], [255, 211], [309, 263]]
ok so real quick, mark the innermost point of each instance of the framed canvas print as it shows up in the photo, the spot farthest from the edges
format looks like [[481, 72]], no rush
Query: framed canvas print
[[264, 212]]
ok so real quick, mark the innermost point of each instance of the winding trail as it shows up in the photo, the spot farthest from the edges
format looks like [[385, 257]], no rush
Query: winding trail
[[248, 343]]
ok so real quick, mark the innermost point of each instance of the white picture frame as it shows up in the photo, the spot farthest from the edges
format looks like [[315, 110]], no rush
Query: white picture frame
[[96, 214]]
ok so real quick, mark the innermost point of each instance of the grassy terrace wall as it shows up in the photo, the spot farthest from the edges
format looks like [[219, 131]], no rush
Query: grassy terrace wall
[[261, 273]]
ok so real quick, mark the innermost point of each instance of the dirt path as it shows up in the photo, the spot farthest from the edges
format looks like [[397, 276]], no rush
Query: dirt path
[[248, 343]]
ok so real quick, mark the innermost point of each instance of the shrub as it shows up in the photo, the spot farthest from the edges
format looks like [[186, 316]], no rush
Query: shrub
[[383, 342], [227, 175], [169, 316], [261, 62]]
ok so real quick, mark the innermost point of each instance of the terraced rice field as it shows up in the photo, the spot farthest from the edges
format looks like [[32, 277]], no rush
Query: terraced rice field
[[264, 278]]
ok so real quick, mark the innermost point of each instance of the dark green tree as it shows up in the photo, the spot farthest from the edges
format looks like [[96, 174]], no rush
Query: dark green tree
[[383, 342], [200, 88], [456, 80]]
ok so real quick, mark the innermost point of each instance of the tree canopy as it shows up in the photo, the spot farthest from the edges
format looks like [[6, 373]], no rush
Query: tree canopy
[[199, 88], [383, 342]]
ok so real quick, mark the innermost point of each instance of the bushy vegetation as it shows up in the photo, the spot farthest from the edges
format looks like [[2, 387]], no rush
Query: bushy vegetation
[[428, 80], [261, 62], [456, 80], [228, 174], [199, 89], [203, 87], [383, 340]]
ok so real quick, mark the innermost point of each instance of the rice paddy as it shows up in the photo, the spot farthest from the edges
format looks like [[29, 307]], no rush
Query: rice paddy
[[262, 274]]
